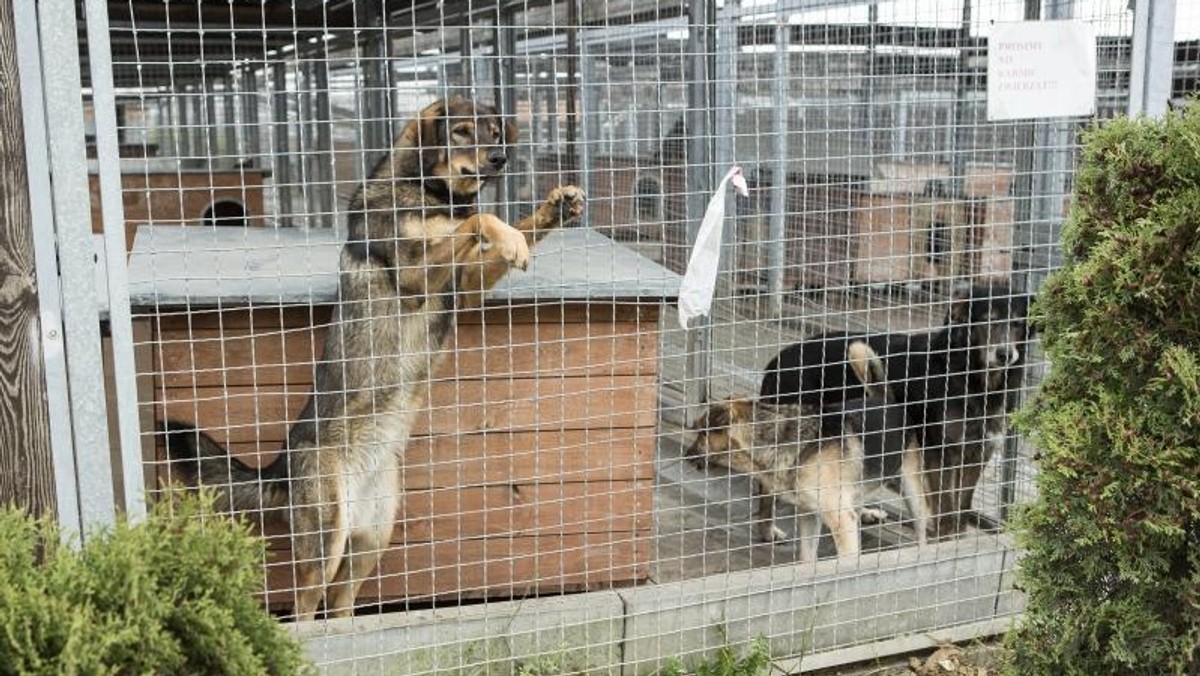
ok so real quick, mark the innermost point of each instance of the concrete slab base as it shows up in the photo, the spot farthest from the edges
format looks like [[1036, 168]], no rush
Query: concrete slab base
[[579, 634], [812, 615]]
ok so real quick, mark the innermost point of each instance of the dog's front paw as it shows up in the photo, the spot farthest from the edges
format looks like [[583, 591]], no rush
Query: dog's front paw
[[872, 515], [508, 241], [772, 533], [563, 207]]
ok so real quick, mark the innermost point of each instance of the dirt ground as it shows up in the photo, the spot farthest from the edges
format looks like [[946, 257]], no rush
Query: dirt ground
[[974, 659]]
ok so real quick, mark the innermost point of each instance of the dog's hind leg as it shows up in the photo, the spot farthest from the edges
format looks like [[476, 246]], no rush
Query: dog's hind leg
[[320, 526], [839, 513], [318, 549], [975, 459], [913, 487], [808, 527], [765, 515], [836, 507], [363, 553], [839, 494], [372, 520], [942, 478]]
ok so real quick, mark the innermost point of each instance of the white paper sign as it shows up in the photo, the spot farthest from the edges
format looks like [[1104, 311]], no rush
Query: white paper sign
[[1041, 69], [700, 279]]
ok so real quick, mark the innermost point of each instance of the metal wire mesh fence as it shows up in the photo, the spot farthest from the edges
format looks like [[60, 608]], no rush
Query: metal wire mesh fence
[[543, 471]]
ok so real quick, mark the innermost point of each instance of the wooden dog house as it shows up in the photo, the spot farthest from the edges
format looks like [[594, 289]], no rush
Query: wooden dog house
[[532, 470], [161, 190]]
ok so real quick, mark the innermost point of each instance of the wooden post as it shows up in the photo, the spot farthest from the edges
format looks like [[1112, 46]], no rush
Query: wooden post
[[26, 470]]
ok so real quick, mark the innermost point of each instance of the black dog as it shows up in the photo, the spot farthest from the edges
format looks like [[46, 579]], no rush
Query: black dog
[[957, 384], [818, 459]]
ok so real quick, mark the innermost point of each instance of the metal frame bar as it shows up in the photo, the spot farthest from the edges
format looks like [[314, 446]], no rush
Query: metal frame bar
[[327, 199], [1150, 77], [588, 116], [1051, 164], [197, 131], [58, 30], [250, 87], [54, 364], [182, 130], [701, 23], [722, 88], [233, 145], [281, 167], [466, 62], [212, 137], [376, 77], [1041, 176], [777, 225], [782, 6], [120, 322], [1024, 279], [306, 130], [505, 37]]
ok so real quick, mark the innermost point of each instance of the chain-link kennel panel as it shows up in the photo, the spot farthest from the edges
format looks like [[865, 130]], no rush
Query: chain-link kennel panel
[[372, 310]]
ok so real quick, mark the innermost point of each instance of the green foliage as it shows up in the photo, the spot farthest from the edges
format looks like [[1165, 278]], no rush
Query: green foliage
[[1113, 542], [171, 595], [726, 662], [541, 666]]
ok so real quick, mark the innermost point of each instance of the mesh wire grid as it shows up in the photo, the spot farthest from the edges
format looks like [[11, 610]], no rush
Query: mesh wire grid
[[547, 515]]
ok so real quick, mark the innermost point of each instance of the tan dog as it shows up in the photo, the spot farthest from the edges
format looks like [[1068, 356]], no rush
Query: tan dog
[[417, 251]]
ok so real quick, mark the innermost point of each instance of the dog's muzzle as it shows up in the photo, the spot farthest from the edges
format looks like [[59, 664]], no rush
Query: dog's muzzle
[[497, 159], [695, 454], [1004, 356]]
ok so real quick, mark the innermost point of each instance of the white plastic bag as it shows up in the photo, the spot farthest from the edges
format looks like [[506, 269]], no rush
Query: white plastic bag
[[700, 278]]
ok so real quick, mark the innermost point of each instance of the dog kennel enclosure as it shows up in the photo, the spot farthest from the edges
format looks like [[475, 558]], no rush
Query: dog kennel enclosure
[[189, 204]]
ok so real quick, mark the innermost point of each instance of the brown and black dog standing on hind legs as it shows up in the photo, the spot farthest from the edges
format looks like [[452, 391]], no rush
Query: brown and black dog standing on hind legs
[[418, 250]]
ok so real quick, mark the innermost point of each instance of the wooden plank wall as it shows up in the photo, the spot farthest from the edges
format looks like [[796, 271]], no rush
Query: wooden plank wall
[[26, 463], [530, 472]]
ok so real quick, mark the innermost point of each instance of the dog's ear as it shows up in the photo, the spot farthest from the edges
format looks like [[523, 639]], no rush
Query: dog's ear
[[718, 415], [740, 411], [1031, 319], [1027, 300], [511, 133], [430, 124], [724, 414], [960, 303], [702, 425]]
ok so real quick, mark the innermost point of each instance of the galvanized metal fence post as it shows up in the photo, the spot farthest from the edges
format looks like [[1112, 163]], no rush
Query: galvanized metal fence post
[[124, 375], [698, 129], [1150, 75], [58, 29], [251, 85], [504, 48], [589, 115], [325, 155], [1042, 176], [777, 228], [281, 151]]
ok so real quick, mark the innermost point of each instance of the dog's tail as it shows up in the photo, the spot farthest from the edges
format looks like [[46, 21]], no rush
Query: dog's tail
[[199, 460], [868, 367]]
